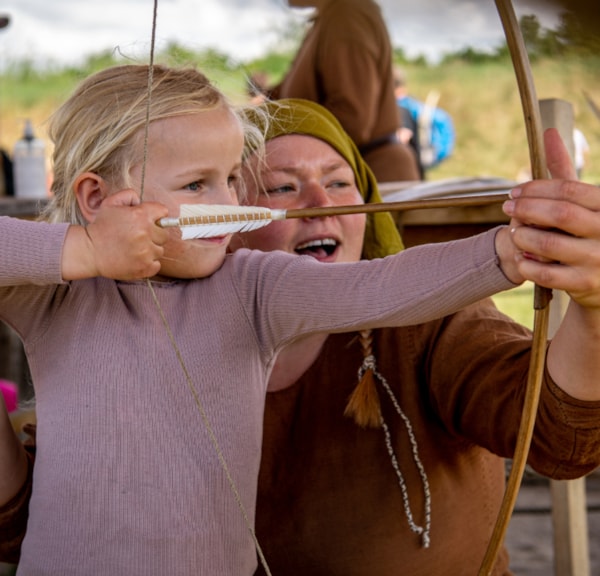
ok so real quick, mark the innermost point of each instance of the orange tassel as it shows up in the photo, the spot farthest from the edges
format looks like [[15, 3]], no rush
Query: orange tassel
[[363, 405]]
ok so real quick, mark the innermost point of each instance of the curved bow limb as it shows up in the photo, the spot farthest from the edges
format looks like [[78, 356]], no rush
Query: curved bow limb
[[542, 296]]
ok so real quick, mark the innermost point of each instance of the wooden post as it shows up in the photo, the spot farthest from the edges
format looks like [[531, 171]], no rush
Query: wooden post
[[569, 512]]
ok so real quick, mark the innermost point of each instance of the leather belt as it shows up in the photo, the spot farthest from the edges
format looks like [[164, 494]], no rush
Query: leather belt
[[378, 143]]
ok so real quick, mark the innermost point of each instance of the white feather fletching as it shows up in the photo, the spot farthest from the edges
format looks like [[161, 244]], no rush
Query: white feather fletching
[[211, 220]]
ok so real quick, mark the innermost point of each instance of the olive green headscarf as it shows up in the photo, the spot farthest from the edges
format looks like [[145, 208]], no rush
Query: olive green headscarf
[[296, 116]]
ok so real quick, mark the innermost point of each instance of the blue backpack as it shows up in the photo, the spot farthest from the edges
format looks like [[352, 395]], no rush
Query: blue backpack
[[436, 135]]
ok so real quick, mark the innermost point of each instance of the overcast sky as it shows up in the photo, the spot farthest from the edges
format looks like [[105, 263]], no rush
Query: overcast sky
[[66, 31]]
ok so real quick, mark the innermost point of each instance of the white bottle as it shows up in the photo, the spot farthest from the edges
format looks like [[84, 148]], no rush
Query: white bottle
[[29, 165]]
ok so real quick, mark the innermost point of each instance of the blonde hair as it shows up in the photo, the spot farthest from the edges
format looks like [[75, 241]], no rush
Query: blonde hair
[[100, 128]]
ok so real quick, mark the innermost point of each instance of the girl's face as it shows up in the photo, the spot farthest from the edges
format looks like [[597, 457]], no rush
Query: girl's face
[[193, 159], [301, 172]]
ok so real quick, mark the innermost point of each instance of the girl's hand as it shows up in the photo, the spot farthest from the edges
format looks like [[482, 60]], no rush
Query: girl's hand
[[123, 242]]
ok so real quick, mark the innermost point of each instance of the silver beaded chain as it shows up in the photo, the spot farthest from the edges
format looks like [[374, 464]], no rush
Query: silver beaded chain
[[369, 363]]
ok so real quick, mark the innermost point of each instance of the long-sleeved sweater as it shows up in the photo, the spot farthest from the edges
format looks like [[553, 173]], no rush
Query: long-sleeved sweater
[[115, 491]]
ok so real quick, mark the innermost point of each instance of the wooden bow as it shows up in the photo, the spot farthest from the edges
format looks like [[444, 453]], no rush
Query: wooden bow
[[542, 296]]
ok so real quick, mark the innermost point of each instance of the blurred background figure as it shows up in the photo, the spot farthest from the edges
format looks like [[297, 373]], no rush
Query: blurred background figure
[[581, 151], [257, 86], [425, 127], [344, 63]]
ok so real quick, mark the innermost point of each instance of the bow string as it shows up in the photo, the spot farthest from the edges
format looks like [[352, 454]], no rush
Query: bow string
[[188, 378]]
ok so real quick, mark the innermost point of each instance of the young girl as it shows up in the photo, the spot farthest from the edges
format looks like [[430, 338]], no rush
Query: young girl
[[115, 491]]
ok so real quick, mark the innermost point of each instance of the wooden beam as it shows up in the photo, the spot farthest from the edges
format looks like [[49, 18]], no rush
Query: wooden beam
[[569, 510]]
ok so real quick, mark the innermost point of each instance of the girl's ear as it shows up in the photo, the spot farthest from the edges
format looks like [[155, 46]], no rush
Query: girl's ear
[[90, 191]]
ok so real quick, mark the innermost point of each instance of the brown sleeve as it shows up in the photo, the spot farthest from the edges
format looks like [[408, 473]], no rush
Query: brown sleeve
[[14, 515], [478, 377], [351, 82]]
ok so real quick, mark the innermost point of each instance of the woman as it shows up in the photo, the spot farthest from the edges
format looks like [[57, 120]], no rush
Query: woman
[[330, 499]]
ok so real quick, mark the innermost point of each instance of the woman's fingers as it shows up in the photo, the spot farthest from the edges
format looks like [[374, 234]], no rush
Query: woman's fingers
[[558, 158]]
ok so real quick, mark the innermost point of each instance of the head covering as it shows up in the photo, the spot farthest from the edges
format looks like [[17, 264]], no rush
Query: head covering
[[296, 116]]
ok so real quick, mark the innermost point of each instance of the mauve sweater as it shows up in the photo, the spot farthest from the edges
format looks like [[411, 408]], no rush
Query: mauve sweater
[[115, 490]]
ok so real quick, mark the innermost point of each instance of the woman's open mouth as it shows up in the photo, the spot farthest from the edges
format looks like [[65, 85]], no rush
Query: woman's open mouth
[[321, 248]]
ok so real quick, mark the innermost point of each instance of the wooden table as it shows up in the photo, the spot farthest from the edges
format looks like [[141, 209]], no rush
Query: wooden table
[[443, 224]]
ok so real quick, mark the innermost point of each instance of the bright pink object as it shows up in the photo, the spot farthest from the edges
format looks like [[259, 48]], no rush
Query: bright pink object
[[9, 391]]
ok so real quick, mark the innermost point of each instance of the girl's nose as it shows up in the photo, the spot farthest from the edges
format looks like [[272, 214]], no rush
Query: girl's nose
[[224, 194]]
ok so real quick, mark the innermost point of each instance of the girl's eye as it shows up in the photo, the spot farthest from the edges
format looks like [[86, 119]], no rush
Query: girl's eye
[[194, 186]]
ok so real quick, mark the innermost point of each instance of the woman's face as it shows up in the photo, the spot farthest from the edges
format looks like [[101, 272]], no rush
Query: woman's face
[[301, 172]]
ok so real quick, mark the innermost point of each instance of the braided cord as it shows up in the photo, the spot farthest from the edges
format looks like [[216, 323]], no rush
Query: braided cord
[[369, 364]]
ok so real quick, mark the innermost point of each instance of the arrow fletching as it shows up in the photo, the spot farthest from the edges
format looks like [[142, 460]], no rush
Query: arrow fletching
[[212, 220]]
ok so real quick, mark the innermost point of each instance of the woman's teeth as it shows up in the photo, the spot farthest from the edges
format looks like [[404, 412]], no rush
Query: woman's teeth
[[323, 246]]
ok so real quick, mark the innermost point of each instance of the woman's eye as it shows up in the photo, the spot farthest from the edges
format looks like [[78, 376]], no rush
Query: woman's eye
[[280, 189], [339, 184]]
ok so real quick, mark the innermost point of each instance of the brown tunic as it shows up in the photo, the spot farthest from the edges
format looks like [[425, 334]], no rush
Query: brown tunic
[[345, 64], [329, 502]]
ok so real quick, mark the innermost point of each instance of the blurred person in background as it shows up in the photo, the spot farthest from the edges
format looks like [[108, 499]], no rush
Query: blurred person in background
[[345, 64], [581, 150], [426, 127]]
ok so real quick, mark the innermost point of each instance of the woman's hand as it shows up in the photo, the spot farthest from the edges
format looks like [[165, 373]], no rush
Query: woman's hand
[[555, 229]]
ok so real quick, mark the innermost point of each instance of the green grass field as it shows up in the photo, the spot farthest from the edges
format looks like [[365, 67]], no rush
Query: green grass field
[[482, 98], [517, 303]]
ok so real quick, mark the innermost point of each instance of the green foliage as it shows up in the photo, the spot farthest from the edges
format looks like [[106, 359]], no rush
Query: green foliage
[[577, 35], [484, 102], [274, 64], [477, 88], [516, 303]]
